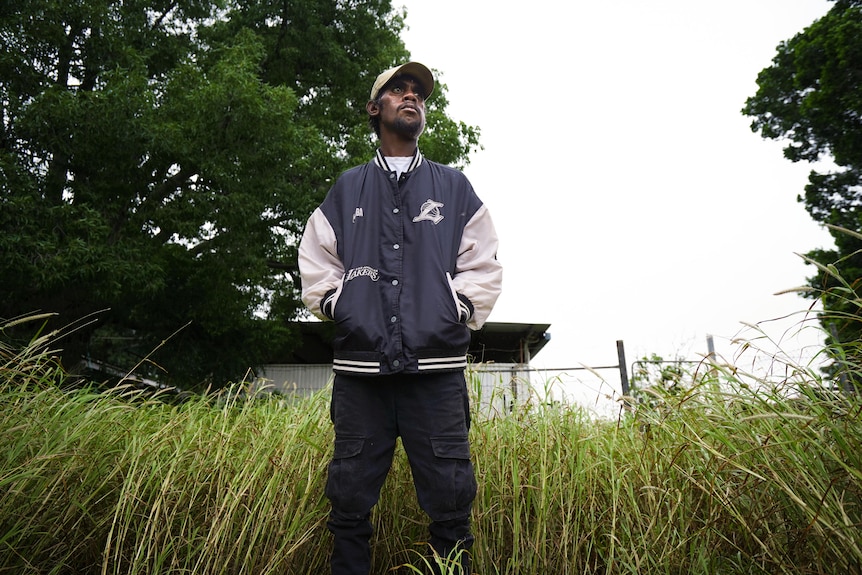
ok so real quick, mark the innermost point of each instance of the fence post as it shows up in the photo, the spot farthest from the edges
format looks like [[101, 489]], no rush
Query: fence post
[[624, 375]]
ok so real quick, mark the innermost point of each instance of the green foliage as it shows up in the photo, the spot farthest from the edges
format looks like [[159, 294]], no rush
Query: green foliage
[[158, 162], [655, 372], [842, 305], [811, 98]]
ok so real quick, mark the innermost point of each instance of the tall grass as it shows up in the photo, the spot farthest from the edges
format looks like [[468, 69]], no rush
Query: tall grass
[[123, 483], [725, 477]]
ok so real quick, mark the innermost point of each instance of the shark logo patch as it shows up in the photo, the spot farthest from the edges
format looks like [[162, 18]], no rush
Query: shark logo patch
[[430, 211]]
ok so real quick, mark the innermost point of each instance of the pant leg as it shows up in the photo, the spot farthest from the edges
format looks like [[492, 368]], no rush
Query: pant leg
[[365, 435], [434, 421]]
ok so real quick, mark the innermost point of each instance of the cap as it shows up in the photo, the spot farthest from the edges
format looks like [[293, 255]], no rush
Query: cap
[[422, 74]]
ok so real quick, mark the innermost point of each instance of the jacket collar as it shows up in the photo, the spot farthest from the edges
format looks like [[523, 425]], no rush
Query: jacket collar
[[415, 163]]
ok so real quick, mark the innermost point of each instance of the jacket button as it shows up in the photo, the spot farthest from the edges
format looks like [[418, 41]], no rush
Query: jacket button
[[393, 319], [396, 246], [395, 282], [396, 363], [395, 210]]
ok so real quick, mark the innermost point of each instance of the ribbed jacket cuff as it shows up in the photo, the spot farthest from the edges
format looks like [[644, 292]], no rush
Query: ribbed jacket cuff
[[326, 304], [465, 308]]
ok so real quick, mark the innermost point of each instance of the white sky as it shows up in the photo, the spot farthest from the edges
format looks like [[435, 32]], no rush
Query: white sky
[[631, 198]]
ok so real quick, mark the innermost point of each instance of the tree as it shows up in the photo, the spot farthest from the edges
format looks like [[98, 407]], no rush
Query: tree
[[158, 161], [811, 98]]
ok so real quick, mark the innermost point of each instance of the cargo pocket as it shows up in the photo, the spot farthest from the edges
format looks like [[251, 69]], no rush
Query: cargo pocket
[[345, 470], [458, 489], [451, 447]]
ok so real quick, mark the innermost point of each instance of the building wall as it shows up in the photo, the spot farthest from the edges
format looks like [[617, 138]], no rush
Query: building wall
[[495, 388]]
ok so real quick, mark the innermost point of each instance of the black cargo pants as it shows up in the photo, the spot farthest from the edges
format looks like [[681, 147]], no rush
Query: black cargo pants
[[431, 415]]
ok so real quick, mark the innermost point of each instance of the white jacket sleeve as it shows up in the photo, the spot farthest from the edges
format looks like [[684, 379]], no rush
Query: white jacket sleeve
[[319, 266], [478, 274]]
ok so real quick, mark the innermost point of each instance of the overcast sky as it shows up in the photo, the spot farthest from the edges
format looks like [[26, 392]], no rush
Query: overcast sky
[[631, 198]]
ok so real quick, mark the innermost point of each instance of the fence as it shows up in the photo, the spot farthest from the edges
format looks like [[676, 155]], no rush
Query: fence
[[621, 366]]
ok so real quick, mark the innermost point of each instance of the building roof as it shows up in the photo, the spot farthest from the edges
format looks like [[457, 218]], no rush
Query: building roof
[[494, 343], [508, 342]]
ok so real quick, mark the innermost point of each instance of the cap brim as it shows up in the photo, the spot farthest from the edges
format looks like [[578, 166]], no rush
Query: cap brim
[[418, 71]]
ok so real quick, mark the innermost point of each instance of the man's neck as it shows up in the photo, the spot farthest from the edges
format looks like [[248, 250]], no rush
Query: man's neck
[[394, 147]]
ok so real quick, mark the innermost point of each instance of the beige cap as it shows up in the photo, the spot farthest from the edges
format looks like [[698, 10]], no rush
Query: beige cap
[[422, 74]]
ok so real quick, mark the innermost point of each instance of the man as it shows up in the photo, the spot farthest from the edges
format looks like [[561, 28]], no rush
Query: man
[[402, 256]]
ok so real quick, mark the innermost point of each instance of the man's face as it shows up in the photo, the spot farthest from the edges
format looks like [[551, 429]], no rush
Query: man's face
[[402, 107]]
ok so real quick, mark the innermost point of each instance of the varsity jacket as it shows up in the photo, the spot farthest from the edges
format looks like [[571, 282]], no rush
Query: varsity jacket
[[405, 267]]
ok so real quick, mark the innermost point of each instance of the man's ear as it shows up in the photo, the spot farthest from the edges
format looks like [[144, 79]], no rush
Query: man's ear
[[372, 108]]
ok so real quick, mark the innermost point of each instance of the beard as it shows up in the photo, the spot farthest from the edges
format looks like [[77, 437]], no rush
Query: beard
[[409, 127]]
